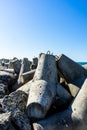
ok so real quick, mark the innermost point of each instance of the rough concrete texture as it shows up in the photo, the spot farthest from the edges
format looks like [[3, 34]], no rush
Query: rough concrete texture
[[69, 69], [40, 98], [27, 76], [72, 73], [15, 100], [43, 87], [26, 87], [15, 64], [54, 92], [7, 78], [73, 118], [46, 69]]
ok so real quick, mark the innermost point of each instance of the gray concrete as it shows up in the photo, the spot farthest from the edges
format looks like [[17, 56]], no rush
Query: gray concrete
[[7, 78], [46, 69], [34, 63], [3, 90], [20, 120], [24, 68], [63, 93], [76, 85], [5, 121], [74, 118], [40, 98], [43, 87], [27, 76], [13, 101], [15, 64], [69, 68], [26, 87], [72, 73]]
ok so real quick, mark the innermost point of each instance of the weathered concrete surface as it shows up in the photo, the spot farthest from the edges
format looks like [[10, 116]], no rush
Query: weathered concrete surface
[[43, 96], [76, 85], [34, 63], [15, 64], [1, 110], [63, 93], [69, 69], [8, 70], [16, 86], [26, 87], [7, 78], [46, 69], [5, 121], [72, 72], [16, 120], [61, 101], [25, 67], [40, 98], [43, 87], [20, 120], [27, 76], [15, 100], [74, 118], [15, 104], [3, 90]]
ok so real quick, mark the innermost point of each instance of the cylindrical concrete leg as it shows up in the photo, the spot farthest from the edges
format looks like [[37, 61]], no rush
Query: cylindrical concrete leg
[[46, 69], [43, 88], [9, 70], [79, 106], [40, 98], [24, 68], [15, 64], [75, 86], [73, 73], [63, 93], [69, 68], [74, 118], [61, 101], [27, 76], [34, 63], [25, 87]]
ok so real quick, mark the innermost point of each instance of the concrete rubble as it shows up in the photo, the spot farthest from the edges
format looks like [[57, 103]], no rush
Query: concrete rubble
[[47, 93]]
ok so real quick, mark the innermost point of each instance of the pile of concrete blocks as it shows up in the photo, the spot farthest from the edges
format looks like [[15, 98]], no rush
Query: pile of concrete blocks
[[49, 93]]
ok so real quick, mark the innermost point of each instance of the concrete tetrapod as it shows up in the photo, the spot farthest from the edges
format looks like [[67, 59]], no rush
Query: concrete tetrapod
[[25, 87], [72, 72], [34, 63], [43, 87], [15, 64], [46, 69], [74, 118], [63, 93], [69, 68], [24, 68], [61, 101], [40, 98], [27, 76]]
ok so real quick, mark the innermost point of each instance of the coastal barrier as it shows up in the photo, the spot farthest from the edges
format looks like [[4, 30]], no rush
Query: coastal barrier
[[47, 93]]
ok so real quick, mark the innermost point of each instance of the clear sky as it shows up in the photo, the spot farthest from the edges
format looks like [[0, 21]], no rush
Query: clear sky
[[29, 27]]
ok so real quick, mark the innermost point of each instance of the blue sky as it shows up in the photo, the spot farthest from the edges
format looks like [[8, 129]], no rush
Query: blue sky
[[29, 27]]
